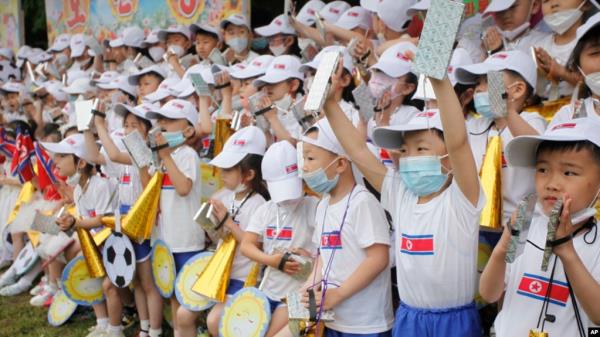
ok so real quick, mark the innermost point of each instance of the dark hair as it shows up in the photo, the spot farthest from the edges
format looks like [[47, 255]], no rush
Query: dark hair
[[551, 146], [88, 169], [253, 162], [591, 38], [23, 126], [152, 73], [51, 129], [347, 91], [410, 79], [460, 89], [532, 98]]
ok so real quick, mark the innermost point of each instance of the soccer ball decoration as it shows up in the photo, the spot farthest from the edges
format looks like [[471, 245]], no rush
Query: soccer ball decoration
[[26, 259], [119, 259]]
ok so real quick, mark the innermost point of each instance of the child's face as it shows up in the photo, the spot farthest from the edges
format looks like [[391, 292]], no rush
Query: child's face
[[132, 123], [555, 6], [516, 15], [205, 44], [119, 54], [173, 125], [232, 31], [231, 177], [12, 100], [589, 59], [66, 165], [147, 84], [576, 173], [179, 40], [278, 90], [316, 158], [247, 89], [424, 143]]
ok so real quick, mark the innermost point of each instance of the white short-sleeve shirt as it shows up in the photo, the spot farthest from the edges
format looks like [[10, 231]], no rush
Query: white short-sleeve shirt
[[95, 199], [565, 113]]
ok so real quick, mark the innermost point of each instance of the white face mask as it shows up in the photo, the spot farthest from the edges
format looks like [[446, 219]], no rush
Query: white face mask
[[304, 43], [238, 44], [512, 34], [284, 103], [176, 49], [592, 81], [240, 188], [74, 179], [585, 213], [379, 83], [278, 50], [156, 53], [561, 21]]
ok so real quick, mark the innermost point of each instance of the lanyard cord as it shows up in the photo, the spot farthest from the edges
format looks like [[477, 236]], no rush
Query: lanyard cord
[[234, 214]]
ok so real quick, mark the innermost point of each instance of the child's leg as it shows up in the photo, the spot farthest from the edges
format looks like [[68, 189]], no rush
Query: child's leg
[[279, 320], [141, 303], [153, 298], [72, 251], [101, 314], [55, 269], [212, 321], [18, 240], [186, 321], [174, 308], [113, 303]]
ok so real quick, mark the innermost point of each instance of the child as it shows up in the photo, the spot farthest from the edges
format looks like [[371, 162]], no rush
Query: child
[[281, 36], [124, 48], [237, 35], [92, 197], [553, 51], [512, 30], [520, 79], [585, 60], [147, 80], [283, 225], [206, 38], [12, 109], [435, 201], [240, 167], [567, 163], [180, 193], [353, 237], [121, 91], [178, 39]]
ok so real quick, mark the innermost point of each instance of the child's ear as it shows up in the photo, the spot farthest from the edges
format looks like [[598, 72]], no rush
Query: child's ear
[[519, 90], [466, 97], [294, 85], [249, 176], [189, 131], [406, 88], [537, 4]]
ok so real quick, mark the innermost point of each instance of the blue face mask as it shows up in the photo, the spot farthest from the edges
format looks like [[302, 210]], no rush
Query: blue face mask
[[174, 139], [317, 180], [422, 175], [482, 105], [260, 43]]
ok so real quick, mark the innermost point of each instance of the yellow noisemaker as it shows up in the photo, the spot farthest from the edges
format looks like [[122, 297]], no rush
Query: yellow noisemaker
[[491, 181], [252, 278], [213, 281], [91, 253], [138, 223], [25, 196], [222, 132]]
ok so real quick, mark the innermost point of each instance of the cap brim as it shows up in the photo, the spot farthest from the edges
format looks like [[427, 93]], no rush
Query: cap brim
[[57, 148], [498, 6], [392, 137], [227, 159], [521, 151], [122, 109], [118, 42], [272, 79], [392, 70], [158, 95], [247, 73], [470, 73], [286, 189]]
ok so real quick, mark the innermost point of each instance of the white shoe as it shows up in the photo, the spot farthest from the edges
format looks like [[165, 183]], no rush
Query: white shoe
[[9, 277], [15, 289], [40, 299], [114, 334], [38, 288], [97, 331]]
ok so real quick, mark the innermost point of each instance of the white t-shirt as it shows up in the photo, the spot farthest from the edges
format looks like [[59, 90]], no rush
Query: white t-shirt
[[369, 310], [241, 264], [436, 244], [96, 198], [295, 230], [401, 116], [130, 186], [526, 285], [561, 54], [565, 113], [524, 43], [176, 225], [350, 112], [517, 182]]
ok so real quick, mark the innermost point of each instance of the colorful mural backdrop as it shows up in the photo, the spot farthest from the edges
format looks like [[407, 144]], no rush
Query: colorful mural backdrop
[[11, 35], [105, 18]]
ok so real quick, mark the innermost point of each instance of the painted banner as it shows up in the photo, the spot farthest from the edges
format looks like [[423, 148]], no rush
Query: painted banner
[[105, 18], [11, 35]]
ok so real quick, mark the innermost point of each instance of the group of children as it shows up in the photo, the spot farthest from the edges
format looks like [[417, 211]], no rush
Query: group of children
[[383, 204]]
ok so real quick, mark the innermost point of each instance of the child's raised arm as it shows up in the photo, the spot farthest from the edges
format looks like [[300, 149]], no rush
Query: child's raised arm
[[464, 168]]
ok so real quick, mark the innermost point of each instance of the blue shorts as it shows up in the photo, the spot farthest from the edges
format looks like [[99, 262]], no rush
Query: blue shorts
[[333, 333], [234, 286], [182, 258], [458, 321], [142, 250], [273, 305]]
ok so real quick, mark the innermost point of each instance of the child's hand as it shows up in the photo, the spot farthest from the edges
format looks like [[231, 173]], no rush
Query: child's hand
[[65, 222], [336, 82], [333, 297], [502, 246], [219, 210], [544, 60], [492, 40], [165, 152], [290, 267], [361, 48], [223, 78], [301, 252], [565, 229]]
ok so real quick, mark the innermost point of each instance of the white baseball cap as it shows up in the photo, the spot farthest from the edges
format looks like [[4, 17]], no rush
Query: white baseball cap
[[141, 110], [174, 29], [281, 68], [7, 53], [392, 137], [370, 5], [184, 88], [37, 56], [306, 15], [121, 83], [106, 77], [8, 70], [61, 43], [460, 58], [332, 11], [196, 28], [55, 88], [314, 63], [422, 5], [151, 39], [280, 171], [12, 87], [279, 25], [155, 68], [588, 25], [498, 6], [326, 138], [393, 13], [394, 62], [355, 17], [74, 144], [79, 86], [522, 151], [235, 19], [77, 44], [132, 36], [176, 109], [255, 68], [248, 140], [514, 60], [164, 90]]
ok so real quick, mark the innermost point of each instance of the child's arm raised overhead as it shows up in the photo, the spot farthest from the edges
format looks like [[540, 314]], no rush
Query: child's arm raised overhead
[[455, 136], [350, 138], [114, 154]]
